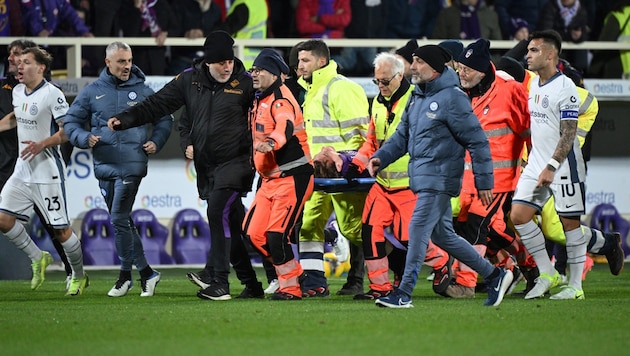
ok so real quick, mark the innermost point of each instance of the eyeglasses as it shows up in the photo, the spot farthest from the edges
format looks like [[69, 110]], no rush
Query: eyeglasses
[[464, 70], [385, 82], [255, 70]]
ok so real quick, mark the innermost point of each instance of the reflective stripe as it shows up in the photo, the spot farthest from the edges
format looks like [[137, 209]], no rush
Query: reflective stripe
[[582, 132], [393, 175], [287, 166], [497, 164], [498, 132], [587, 102]]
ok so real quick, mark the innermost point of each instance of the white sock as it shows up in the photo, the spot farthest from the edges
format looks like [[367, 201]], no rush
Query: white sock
[[534, 242], [23, 241], [72, 247], [576, 256]]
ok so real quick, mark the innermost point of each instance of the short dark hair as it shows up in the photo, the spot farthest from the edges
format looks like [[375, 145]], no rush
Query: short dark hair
[[551, 37], [317, 47], [22, 44], [41, 56]]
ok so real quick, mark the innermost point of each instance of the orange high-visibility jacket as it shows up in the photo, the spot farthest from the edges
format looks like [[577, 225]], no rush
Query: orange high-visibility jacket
[[504, 116], [277, 117]]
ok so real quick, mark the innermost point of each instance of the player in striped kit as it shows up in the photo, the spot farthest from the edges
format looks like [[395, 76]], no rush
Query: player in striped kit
[[38, 177]]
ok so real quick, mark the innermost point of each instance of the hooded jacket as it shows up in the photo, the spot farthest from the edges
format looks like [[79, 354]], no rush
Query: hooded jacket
[[214, 122], [437, 128], [118, 154]]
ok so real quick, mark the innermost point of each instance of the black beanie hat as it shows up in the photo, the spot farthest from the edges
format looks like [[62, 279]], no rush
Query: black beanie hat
[[433, 55], [454, 47], [218, 47], [406, 51], [512, 67], [476, 55], [271, 61]]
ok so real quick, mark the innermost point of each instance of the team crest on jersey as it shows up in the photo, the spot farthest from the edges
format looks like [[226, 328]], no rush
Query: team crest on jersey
[[433, 106], [234, 83], [132, 95], [545, 102], [31, 110]]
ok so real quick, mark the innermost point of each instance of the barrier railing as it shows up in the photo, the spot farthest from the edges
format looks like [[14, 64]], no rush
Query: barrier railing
[[75, 44]]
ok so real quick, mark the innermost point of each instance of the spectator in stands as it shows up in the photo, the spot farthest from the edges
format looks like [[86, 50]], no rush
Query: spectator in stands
[[216, 94], [323, 18], [120, 158], [148, 18], [467, 20], [405, 54], [613, 64], [569, 19], [527, 10], [12, 18], [519, 29], [195, 19], [410, 19], [247, 19], [48, 18], [367, 22]]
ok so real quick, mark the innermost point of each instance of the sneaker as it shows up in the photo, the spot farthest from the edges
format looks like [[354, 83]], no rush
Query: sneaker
[[201, 279], [544, 283], [459, 291], [215, 292], [121, 288], [498, 286], [273, 287], [568, 292], [351, 288], [395, 299], [442, 277], [148, 285], [316, 292], [616, 256], [517, 277], [252, 291], [372, 294], [77, 285], [277, 295], [39, 270], [431, 276]]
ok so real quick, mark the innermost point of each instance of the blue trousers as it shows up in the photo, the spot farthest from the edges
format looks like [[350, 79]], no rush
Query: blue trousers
[[432, 219], [120, 195]]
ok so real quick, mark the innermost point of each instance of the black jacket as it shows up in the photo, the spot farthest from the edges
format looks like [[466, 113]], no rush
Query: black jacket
[[214, 122]]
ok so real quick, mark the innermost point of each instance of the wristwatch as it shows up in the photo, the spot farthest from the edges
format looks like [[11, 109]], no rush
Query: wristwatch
[[271, 144]]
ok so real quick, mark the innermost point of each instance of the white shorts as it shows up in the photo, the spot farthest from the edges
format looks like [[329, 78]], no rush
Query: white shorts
[[568, 197], [17, 199]]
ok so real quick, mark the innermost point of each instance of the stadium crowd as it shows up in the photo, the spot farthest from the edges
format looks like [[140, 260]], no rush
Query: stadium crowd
[[465, 160]]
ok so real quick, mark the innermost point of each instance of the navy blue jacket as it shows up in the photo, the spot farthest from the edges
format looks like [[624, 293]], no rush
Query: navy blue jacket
[[118, 154], [437, 128]]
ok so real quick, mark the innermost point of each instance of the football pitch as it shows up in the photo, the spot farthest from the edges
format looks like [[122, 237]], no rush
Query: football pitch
[[176, 322]]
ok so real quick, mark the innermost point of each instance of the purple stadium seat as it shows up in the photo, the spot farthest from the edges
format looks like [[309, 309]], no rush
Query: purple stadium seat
[[41, 237], [153, 236], [98, 239], [606, 218], [191, 237]]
